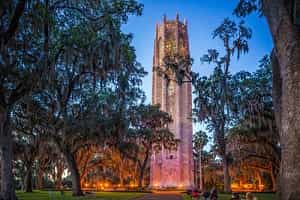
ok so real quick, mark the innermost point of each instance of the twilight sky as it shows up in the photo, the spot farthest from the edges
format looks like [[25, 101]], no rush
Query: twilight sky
[[203, 17]]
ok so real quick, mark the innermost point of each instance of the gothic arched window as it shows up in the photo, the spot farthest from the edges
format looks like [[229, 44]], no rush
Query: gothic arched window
[[160, 51], [170, 47], [171, 97]]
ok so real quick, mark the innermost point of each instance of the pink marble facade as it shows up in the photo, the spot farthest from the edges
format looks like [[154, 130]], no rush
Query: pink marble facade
[[172, 169]]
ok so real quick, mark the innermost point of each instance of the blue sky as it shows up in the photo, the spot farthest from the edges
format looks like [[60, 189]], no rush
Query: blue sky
[[203, 17]]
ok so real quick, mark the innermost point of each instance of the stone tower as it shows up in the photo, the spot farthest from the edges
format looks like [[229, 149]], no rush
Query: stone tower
[[172, 169]]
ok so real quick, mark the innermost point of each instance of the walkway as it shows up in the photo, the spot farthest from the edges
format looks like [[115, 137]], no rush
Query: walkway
[[162, 196]]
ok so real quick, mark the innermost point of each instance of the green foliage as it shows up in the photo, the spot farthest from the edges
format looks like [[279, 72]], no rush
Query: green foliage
[[68, 72], [149, 127], [178, 65], [148, 131], [234, 36], [214, 94], [200, 139], [246, 7], [255, 130], [253, 97]]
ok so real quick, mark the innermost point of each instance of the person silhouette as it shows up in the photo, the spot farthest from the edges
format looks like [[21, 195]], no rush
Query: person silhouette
[[213, 194]]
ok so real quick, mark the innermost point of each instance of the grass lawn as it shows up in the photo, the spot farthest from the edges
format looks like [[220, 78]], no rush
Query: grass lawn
[[261, 196], [49, 195]]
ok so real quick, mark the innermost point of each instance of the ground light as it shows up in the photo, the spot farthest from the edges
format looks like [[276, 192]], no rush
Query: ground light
[[247, 187]]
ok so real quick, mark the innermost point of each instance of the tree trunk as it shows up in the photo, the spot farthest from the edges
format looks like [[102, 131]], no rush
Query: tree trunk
[[7, 185], [121, 180], [58, 184], [28, 179], [227, 188], [142, 171], [72, 165], [290, 127], [58, 181], [140, 181], [196, 173], [286, 37], [200, 171], [258, 178], [60, 171], [39, 179], [276, 89], [273, 180]]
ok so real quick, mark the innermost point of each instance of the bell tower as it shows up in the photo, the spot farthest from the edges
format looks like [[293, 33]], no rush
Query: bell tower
[[172, 169]]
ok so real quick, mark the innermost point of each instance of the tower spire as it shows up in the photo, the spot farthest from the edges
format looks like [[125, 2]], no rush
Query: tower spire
[[185, 21], [177, 17]]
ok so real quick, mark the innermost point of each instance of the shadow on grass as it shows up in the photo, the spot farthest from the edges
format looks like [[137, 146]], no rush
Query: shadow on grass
[[260, 196], [55, 195]]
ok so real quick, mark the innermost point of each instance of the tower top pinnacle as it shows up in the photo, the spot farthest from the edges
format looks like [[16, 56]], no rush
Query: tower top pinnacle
[[184, 21], [165, 20]]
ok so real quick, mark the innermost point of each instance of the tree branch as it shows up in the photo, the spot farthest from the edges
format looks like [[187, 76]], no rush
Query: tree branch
[[14, 22]]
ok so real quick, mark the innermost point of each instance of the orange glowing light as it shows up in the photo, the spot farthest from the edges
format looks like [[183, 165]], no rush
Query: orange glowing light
[[180, 185], [106, 185], [247, 186], [86, 184], [261, 186], [235, 185]]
